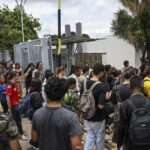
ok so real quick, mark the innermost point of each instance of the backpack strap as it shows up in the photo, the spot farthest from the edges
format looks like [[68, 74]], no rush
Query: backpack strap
[[94, 85], [84, 85]]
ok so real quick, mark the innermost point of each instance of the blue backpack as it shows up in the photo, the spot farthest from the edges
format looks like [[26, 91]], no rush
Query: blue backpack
[[25, 104]]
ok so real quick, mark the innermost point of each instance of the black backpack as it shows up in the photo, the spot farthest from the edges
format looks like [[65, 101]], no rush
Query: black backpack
[[139, 128]]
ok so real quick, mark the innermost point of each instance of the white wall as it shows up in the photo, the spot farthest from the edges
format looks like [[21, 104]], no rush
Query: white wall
[[117, 50]]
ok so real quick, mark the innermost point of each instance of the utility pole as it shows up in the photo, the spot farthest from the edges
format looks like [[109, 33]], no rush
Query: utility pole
[[20, 4], [59, 33]]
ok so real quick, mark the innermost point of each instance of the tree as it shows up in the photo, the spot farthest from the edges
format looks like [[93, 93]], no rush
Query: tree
[[10, 28], [132, 23]]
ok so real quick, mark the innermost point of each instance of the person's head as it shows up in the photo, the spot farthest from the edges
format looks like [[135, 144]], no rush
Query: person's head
[[39, 66], [108, 68], [136, 84], [48, 74], [86, 70], [127, 76], [55, 89], [36, 85], [77, 71], [60, 72], [116, 73], [11, 78], [99, 71], [17, 66], [71, 83], [126, 63], [2, 79]]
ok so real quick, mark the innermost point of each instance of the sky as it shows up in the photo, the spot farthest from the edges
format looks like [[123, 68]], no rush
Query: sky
[[95, 15]]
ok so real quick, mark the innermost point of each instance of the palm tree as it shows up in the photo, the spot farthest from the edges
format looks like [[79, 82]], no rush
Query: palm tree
[[132, 23]]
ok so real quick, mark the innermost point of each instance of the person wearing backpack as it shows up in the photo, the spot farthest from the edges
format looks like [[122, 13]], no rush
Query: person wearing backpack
[[92, 103], [134, 124], [71, 97], [35, 97]]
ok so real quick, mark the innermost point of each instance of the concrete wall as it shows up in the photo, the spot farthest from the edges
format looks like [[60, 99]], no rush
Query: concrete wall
[[117, 50]]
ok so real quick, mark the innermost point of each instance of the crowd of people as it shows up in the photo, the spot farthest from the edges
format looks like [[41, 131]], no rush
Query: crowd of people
[[72, 111]]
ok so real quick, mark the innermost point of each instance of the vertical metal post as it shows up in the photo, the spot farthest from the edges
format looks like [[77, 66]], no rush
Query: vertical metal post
[[22, 21], [20, 4], [59, 32]]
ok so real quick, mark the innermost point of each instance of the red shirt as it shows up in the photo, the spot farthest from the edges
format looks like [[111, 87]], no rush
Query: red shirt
[[13, 94]]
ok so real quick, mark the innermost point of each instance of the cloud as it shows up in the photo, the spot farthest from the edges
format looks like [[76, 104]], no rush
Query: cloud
[[96, 16]]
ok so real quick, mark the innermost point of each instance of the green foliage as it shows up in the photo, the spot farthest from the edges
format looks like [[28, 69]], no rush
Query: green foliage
[[132, 23], [10, 28]]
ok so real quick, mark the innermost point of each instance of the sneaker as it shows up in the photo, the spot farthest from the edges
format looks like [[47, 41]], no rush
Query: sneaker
[[23, 138]]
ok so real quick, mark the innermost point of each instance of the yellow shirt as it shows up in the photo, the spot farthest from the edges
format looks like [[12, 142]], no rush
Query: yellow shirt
[[147, 86]]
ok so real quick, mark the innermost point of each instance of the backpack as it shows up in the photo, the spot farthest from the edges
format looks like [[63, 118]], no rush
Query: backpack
[[70, 100], [87, 104], [27, 106], [4, 121], [139, 128]]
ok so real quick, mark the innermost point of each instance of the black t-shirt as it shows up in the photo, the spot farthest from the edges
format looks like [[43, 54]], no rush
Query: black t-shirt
[[99, 93], [55, 127]]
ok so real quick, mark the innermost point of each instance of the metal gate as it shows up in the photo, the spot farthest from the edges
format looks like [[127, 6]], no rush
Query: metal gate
[[34, 51]]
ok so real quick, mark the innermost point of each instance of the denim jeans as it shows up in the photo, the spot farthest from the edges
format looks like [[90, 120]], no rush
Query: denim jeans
[[95, 135]]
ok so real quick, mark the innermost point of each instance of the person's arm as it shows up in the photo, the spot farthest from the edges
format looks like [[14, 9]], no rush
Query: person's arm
[[27, 72], [8, 102], [9, 93], [75, 132], [34, 134], [76, 143], [14, 144]]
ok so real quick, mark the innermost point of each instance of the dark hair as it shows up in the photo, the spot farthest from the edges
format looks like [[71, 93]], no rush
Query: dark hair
[[48, 74], [17, 65], [98, 68], [107, 68], [127, 75], [85, 69], [36, 85], [116, 73], [60, 69], [31, 64], [74, 69], [136, 82], [38, 64], [126, 63], [55, 89], [69, 82], [11, 75]]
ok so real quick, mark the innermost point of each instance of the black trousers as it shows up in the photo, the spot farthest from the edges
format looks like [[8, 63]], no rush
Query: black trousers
[[17, 117]]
